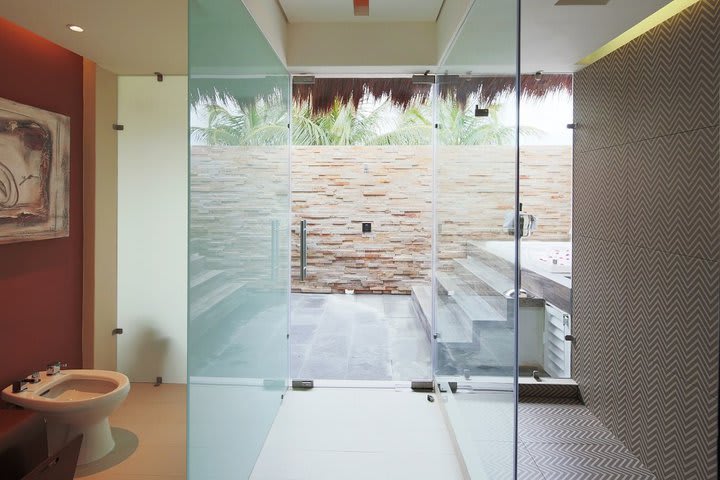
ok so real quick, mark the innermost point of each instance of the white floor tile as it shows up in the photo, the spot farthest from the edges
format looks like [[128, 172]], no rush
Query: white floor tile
[[357, 433]]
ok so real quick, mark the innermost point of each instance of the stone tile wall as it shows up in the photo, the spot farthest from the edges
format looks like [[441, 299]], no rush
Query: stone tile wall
[[337, 188], [237, 193]]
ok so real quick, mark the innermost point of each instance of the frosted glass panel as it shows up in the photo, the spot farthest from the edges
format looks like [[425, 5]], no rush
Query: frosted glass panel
[[239, 236], [152, 247], [475, 181]]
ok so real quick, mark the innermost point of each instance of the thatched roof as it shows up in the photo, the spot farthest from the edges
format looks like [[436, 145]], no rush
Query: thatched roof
[[326, 91], [401, 90], [490, 88]]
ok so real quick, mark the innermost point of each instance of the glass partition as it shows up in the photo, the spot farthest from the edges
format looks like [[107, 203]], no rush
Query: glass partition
[[475, 271], [546, 253], [238, 239]]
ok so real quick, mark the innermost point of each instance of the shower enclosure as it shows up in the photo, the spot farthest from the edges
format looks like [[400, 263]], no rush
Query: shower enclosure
[[239, 240]]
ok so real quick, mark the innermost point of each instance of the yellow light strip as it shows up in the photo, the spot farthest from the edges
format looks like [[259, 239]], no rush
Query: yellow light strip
[[669, 10]]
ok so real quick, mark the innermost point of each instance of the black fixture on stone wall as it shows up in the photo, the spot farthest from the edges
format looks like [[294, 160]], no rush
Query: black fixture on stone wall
[[481, 112]]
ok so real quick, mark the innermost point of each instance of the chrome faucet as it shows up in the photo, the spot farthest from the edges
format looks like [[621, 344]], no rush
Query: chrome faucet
[[54, 368], [21, 385]]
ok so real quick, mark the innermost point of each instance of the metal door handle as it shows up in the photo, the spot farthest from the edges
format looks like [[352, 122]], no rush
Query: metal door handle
[[274, 247], [303, 249]]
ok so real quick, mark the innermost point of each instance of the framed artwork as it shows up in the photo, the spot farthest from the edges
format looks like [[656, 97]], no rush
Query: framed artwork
[[34, 173]]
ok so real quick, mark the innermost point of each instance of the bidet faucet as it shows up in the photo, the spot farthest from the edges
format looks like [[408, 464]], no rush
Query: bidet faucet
[[20, 385], [54, 368]]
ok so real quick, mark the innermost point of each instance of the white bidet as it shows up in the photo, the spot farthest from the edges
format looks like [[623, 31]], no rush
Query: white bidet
[[75, 402]]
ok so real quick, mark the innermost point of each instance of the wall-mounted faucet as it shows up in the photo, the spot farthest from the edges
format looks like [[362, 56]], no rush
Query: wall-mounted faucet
[[528, 223]]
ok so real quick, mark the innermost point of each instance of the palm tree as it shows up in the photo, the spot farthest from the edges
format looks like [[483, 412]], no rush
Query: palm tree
[[347, 126], [306, 130], [460, 126], [263, 122], [413, 126], [376, 122]]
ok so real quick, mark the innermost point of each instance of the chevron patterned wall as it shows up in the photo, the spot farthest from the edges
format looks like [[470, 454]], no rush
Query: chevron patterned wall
[[646, 280]]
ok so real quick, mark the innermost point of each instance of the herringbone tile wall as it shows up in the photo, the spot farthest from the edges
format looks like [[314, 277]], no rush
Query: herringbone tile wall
[[646, 280]]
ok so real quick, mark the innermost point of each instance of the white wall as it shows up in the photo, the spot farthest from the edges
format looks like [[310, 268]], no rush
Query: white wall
[[448, 24], [271, 20], [152, 228], [361, 44]]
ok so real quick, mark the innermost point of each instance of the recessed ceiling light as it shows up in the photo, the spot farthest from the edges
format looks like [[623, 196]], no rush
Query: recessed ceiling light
[[75, 28]]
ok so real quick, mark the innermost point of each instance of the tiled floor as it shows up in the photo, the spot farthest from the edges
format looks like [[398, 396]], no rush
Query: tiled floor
[[149, 431], [357, 337], [368, 433], [379, 434], [563, 440], [557, 439]]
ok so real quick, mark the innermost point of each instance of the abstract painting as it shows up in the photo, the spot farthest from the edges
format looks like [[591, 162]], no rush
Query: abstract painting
[[34, 173]]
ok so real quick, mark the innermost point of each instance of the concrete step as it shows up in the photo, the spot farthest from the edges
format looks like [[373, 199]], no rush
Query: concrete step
[[486, 275], [421, 297], [197, 263], [453, 324], [203, 283], [215, 305], [476, 307]]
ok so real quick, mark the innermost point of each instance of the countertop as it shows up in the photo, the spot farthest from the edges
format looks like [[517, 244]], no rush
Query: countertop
[[539, 277]]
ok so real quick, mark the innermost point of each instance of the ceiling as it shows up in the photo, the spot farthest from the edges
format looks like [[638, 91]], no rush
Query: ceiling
[[311, 11], [139, 37], [131, 37], [555, 38]]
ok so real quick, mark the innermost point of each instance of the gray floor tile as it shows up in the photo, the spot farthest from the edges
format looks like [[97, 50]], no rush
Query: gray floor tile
[[374, 302], [302, 334], [398, 306], [303, 317], [410, 358], [298, 354], [351, 337]]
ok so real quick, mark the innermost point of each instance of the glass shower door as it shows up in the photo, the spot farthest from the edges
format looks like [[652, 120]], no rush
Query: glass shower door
[[475, 244], [238, 239]]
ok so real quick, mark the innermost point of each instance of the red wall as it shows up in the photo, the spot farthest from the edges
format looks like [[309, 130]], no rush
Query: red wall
[[41, 281]]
